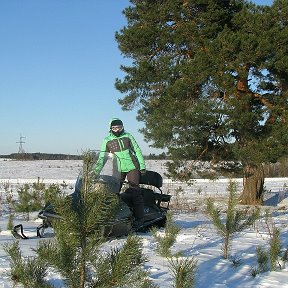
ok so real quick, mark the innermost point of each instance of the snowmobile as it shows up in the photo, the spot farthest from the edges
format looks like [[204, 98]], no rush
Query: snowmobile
[[156, 203]]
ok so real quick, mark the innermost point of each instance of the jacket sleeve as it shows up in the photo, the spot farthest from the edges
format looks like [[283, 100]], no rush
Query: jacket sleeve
[[138, 153], [101, 159]]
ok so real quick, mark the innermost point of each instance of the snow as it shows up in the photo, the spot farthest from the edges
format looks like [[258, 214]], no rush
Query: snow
[[197, 237]]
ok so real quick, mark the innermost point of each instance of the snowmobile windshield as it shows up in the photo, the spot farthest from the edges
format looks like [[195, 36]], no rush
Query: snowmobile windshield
[[105, 170], [107, 164]]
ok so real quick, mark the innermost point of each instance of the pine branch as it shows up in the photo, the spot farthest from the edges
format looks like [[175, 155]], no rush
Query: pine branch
[[183, 271], [122, 267]]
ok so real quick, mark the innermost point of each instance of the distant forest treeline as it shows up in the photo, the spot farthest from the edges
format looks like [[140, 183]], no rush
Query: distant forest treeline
[[41, 156], [279, 169], [49, 156]]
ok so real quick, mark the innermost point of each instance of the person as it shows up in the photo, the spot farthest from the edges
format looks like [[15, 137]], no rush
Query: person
[[131, 164]]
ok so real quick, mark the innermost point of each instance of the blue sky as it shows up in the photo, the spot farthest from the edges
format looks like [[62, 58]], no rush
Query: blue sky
[[58, 65]]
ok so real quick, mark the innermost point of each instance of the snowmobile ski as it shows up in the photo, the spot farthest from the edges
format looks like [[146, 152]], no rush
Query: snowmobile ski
[[17, 232]]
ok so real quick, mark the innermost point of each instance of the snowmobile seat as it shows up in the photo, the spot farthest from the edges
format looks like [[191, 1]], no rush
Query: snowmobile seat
[[152, 178]]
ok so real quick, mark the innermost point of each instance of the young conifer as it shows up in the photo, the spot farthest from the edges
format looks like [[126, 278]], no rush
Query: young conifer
[[81, 231], [30, 272], [262, 259], [269, 259], [236, 220], [165, 241], [27, 200], [10, 223], [275, 249]]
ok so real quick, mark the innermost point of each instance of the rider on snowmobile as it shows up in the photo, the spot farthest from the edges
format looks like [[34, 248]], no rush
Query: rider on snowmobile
[[130, 163]]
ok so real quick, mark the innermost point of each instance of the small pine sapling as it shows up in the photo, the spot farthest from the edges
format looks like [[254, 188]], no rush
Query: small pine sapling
[[9, 197], [81, 231], [51, 192], [30, 198], [262, 260], [10, 223], [165, 241], [236, 220], [29, 271], [179, 201], [275, 249], [268, 260]]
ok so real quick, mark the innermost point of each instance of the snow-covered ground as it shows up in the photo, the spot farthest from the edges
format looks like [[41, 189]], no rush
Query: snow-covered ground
[[197, 237]]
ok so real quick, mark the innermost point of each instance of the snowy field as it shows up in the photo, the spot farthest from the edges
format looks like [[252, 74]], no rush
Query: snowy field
[[197, 237]]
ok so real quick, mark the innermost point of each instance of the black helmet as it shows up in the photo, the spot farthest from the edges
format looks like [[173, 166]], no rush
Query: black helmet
[[116, 122]]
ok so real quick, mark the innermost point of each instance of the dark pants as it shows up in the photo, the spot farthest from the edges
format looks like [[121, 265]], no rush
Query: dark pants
[[133, 194]]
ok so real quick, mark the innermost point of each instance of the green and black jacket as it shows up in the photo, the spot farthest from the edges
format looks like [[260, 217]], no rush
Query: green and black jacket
[[126, 149]]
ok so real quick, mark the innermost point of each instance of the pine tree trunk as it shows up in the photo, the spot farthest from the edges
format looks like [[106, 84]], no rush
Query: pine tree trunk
[[253, 185], [226, 246], [82, 272]]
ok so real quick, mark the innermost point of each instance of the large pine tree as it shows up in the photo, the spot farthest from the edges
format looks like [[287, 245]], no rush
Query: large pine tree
[[209, 79]]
